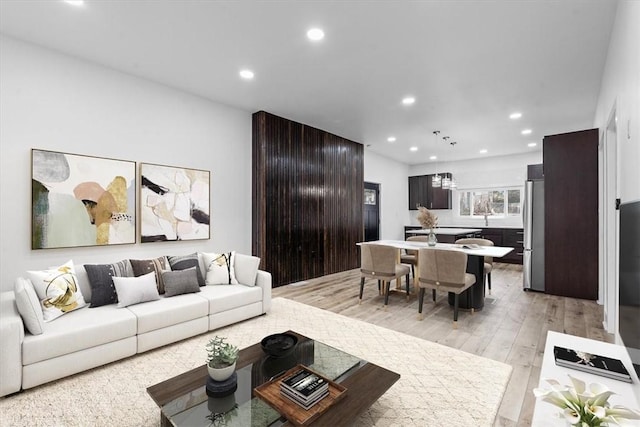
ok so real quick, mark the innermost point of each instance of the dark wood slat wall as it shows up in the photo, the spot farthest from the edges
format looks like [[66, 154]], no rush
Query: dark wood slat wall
[[570, 164], [307, 199]]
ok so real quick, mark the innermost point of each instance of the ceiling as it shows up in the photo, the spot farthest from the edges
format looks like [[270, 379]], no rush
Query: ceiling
[[469, 64]]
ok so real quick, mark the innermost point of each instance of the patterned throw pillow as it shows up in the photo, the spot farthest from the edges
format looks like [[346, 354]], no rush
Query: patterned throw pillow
[[134, 290], [180, 282], [58, 290], [103, 291], [187, 261], [146, 266], [220, 270]]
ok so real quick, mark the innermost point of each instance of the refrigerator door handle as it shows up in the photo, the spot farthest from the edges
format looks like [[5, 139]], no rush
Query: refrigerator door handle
[[526, 269]]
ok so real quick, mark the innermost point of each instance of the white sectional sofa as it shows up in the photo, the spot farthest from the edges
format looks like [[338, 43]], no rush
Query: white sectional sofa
[[89, 337]]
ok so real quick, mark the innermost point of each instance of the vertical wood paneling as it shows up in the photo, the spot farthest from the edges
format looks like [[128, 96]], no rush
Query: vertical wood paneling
[[307, 199]]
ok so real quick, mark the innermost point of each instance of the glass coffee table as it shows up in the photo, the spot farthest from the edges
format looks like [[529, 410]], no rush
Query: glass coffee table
[[183, 400]]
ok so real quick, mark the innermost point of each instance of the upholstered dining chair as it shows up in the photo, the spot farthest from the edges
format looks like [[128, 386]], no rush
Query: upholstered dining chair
[[410, 256], [380, 262], [443, 270], [488, 261]]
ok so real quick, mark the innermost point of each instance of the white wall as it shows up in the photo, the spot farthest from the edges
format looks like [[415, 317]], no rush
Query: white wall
[[394, 193], [489, 172], [55, 102]]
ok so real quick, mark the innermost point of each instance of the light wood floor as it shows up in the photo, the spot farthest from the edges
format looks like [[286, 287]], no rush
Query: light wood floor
[[511, 328]]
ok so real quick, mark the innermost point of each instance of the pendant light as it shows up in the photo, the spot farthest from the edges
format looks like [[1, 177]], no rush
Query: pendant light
[[453, 185], [446, 181], [436, 180]]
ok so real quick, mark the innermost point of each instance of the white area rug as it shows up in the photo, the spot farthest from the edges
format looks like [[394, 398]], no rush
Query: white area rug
[[439, 386]]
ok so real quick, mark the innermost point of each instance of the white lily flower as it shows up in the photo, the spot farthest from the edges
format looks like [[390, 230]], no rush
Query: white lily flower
[[623, 412], [597, 411], [571, 416]]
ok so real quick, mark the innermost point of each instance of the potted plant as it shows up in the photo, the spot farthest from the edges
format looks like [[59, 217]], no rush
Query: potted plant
[[221, 358]]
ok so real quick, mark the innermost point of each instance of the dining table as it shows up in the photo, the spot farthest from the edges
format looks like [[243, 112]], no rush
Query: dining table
[[475, 266]]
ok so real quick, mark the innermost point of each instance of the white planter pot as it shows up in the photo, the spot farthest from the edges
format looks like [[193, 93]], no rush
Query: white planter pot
[[221, 374]]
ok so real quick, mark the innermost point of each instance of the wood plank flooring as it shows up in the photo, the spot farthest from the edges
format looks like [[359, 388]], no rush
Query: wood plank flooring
[[511, 328]]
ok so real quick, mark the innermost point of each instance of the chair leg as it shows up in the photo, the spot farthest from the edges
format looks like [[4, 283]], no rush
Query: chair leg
[[420, 301], [455, 312], [489, 281], [379, 288], [386, 285], [407, 279], [413, 272], [361, 289], [434, 296], [471, 293]]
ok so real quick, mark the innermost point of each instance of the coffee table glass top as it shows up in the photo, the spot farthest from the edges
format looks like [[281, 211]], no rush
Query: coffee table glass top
[[195, 408]]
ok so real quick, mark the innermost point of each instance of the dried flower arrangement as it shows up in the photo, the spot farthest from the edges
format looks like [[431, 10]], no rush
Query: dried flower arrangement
[[426, 218]]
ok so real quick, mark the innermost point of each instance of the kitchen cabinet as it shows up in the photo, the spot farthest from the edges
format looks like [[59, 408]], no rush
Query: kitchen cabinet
[[422, 193]]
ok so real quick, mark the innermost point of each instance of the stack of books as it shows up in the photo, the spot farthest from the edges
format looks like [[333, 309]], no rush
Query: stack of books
[[592, 363], [304, 388]]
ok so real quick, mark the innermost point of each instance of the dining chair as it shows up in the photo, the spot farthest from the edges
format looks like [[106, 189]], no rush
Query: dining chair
[[443, 270], [488, 261], [411, 256], [380, 262]]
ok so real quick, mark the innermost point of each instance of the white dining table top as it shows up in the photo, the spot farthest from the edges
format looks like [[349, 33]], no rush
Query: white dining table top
[[446, 231], [492, 251]]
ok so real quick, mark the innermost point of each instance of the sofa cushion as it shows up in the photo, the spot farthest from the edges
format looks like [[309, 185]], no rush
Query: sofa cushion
[[134, 290], [28, 305], [168, 311], [187, 261], [79, 330], [146, 266], [58, 290], [180, 282], [246, 269], [103, 291], [220, 268], [222, 298]]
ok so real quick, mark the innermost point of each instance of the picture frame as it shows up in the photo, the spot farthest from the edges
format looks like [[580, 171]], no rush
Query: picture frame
[[79, 200], [174, 203]]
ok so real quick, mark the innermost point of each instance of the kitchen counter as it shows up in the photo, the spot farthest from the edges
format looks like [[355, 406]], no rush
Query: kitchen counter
[[447, 231]]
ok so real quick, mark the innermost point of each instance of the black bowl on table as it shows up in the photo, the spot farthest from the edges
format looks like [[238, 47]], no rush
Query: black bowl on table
[[279, 345]]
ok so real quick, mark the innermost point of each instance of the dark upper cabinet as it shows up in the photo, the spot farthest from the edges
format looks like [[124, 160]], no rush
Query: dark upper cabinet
[[422, 193]]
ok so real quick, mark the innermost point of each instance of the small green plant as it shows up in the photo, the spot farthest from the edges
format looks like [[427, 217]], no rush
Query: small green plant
[[220, 353]]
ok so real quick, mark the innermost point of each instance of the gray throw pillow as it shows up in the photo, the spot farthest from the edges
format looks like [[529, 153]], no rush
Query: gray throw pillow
[[182, 262], [103, 291], [180, 282]]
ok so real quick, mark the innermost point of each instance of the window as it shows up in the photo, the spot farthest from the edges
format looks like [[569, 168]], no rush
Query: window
[[494, 202]]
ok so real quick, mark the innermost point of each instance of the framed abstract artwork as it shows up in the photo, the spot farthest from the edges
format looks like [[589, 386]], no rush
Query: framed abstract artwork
[[79, 200], [174, 203]]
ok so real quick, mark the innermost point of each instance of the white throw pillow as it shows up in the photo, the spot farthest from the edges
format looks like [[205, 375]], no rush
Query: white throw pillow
[[134, 290], [28, 306], [57, 290], [220, 268], [246, 268]]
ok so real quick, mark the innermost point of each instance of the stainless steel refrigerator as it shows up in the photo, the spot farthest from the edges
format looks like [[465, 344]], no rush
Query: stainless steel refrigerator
[[533, 221]]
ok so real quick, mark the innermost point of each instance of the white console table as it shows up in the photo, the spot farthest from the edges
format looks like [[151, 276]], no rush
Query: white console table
[[627, 394]]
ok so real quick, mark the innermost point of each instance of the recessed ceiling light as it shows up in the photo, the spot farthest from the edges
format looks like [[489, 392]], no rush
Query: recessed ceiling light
[[75, 2], [433, 157], [526, 132], [391, 139], [408, 100], [246, 74], [484, 151], [315, 34], [514, 116], [413, 149], [531, 144]]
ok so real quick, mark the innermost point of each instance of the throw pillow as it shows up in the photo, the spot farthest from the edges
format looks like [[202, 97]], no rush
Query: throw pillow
[[134, 290], [220, 269], [184, 262], [146, 266], [103, 291], [28, 306], [246, 268], [180, 282], [58, 290]]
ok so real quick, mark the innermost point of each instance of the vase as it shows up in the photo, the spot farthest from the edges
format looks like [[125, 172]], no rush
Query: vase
[[432, 239], [221, 374]]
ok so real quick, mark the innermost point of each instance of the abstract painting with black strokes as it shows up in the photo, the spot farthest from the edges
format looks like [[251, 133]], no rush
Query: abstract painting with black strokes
[[174, 203], [81, 200]]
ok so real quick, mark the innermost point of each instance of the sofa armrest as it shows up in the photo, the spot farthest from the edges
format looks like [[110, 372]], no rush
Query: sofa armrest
[[11, 337], [263, 279]]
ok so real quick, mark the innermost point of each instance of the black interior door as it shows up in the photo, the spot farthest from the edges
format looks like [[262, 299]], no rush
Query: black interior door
[[371, 211]]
